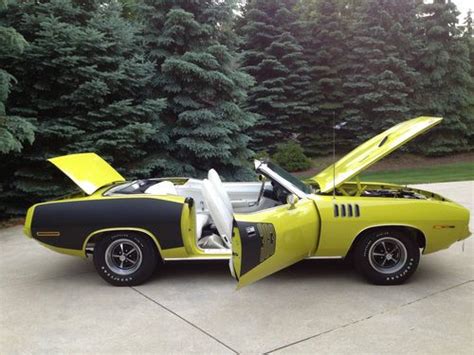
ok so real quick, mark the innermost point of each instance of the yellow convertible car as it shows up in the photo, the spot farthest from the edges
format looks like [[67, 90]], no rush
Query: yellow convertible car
[[130, 227]]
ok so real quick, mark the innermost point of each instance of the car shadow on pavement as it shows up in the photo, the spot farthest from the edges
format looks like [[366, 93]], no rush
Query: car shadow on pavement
[[307, 270], [219, 270]]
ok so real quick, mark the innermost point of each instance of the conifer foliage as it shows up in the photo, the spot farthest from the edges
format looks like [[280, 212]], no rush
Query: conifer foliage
[[84, 78], [468, 109], [176, 87], [14, 131], [273, 55], [448, 87], [324, 41], [378, 79], [196, 71]]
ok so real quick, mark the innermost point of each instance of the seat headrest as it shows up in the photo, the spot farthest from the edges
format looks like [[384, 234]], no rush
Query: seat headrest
[[162, 188], [216, 181], [222, 217], [212, 175]]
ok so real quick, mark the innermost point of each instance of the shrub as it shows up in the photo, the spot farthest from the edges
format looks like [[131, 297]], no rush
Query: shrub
[[290, 156], [262, 155]]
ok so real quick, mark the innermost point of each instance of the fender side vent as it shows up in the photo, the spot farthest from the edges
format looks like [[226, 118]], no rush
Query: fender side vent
[[357, 210], [346, 210]]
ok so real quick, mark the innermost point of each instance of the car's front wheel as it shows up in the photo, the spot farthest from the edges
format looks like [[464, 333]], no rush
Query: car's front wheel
[[125, 259], [387, 256]]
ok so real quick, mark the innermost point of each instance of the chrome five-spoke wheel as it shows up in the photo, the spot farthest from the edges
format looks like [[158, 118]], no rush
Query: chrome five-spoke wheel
[[387, 255], [123, 256]]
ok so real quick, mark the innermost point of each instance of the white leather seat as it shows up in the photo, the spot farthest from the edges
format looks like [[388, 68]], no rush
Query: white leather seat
[[162, 188], [222, 217], [202, 219], [216, 181]]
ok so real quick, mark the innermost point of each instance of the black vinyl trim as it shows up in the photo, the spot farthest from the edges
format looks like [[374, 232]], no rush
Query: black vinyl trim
[[189, 201], [258, 242], [76, 220]]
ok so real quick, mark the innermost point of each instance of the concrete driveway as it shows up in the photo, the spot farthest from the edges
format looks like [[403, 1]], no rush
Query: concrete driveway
[[55, 303]]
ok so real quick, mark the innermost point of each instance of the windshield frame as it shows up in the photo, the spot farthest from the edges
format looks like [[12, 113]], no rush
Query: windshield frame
[[283, 177]]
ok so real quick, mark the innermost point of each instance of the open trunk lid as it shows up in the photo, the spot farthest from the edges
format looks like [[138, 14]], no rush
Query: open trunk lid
[[89, 171]]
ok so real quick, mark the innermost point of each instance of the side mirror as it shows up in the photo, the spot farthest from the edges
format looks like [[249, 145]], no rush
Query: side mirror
[[292, 200]]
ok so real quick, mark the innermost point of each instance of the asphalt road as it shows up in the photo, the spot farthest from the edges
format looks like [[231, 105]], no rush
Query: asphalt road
[[50, 303]]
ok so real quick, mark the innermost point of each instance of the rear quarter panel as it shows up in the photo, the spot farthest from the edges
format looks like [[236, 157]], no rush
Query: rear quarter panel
[[66, 225]]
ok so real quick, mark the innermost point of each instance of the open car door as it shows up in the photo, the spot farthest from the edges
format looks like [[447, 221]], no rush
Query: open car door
[[270, 240]]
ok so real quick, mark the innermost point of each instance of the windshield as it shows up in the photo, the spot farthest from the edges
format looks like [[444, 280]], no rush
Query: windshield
[[290, 178]]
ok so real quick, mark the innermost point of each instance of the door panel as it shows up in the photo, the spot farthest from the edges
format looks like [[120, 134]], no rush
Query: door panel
[[242, 190], [268, 241], [243, 204]]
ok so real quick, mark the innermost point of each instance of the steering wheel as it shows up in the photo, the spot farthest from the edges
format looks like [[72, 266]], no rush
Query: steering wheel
[[280, 192]]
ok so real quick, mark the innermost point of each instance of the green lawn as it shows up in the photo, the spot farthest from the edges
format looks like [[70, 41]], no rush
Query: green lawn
[[441, 173]]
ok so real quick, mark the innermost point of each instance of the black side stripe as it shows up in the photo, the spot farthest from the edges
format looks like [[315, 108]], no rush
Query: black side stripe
[[75, 220]]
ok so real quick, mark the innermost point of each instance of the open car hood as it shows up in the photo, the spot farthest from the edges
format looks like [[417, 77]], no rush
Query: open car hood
[[89, 171], [372, 151]]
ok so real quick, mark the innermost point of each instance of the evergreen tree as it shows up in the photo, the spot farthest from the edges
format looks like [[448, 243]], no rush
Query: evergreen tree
[[84, 78], [446, 77], [379, 79], [14, 130], [273, 55], [308, 10], [325, 50], [197, 72], [468, 111]]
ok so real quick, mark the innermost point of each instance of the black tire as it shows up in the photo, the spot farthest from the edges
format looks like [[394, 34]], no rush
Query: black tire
[[115, 254], [387, 256]]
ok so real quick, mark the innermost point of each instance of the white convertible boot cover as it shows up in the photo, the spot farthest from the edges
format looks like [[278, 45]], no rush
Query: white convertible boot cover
[[162, 188]]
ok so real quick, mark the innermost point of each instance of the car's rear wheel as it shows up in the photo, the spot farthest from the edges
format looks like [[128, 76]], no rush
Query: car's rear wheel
[[387, 256], [125, 259]]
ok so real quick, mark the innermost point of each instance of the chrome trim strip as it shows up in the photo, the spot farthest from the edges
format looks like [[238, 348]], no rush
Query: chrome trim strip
[[227, 258], [48, 234], [199, 258]]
